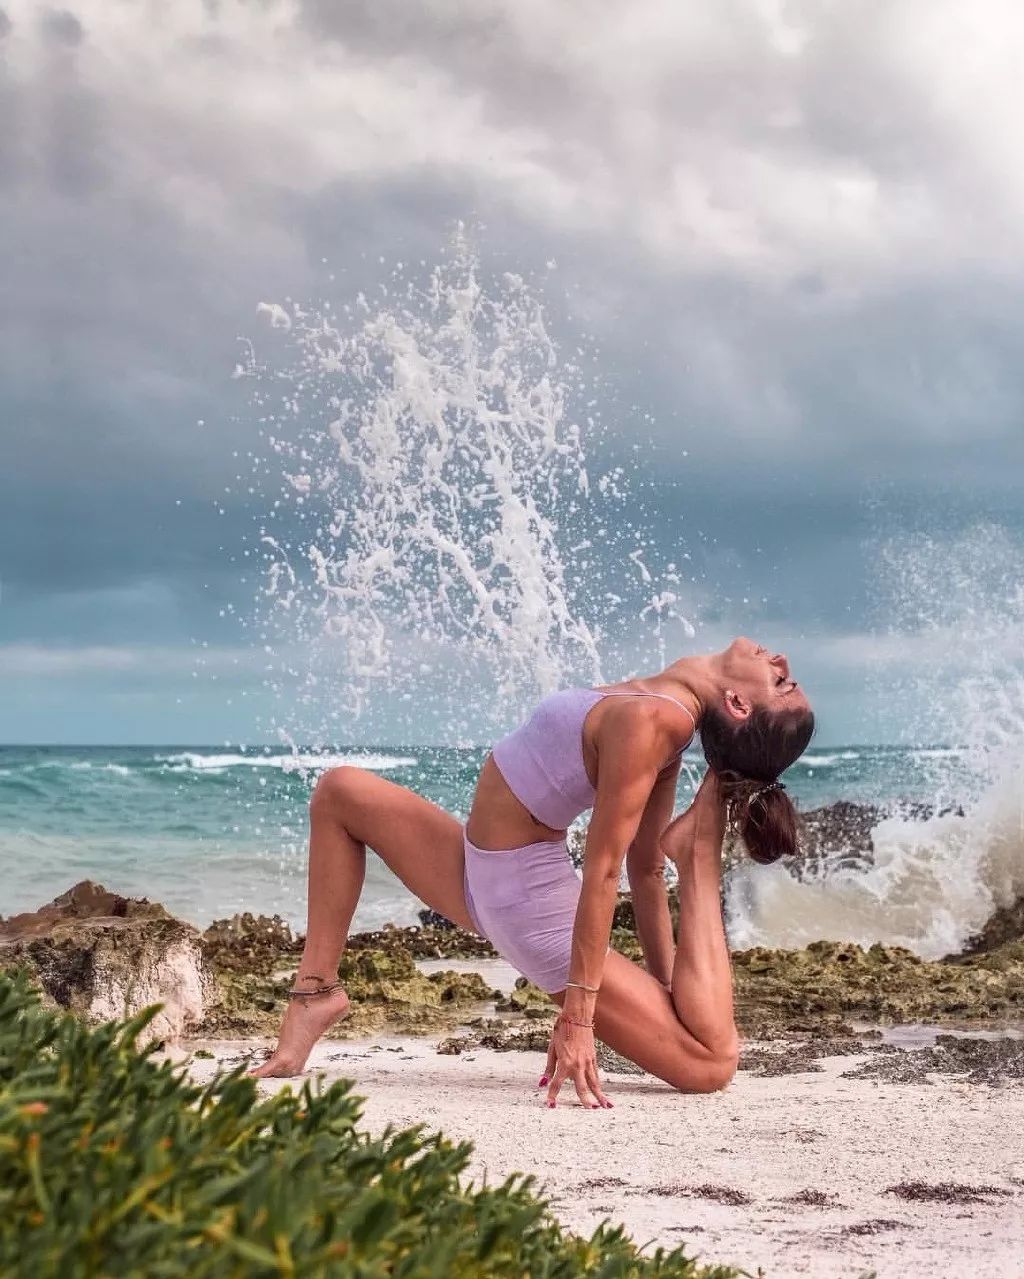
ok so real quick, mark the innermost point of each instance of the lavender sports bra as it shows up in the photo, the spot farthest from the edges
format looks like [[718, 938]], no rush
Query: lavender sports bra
[[542, 760]]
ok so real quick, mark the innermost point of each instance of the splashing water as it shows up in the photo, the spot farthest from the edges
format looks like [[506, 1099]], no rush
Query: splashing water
[[434, 552], [955, 610]]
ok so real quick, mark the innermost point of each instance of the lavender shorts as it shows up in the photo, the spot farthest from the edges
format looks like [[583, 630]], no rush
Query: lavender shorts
[[523, 900]]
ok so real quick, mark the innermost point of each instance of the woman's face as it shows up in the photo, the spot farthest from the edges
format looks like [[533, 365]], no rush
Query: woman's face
[[759, 677]]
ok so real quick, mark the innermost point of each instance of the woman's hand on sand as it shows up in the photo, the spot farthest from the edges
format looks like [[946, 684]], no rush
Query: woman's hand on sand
[[572, 1055]]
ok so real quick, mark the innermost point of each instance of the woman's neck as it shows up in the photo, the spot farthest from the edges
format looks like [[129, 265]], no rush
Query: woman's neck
[[693, 680]]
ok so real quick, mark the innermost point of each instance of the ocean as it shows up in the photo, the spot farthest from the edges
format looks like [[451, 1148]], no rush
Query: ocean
[[211, 831], [438, 537]]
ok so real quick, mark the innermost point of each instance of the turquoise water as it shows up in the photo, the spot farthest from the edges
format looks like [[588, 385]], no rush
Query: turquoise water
[[213, 830]]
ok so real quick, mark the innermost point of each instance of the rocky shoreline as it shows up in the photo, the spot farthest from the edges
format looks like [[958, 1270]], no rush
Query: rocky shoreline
[[105, 956]]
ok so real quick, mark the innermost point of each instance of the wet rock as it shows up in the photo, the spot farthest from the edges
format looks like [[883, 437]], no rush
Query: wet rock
[[106, 956], [838, 832], [790, 989], [434, 919], [979, 1061], [841, 833], [250, 943], [796, 1056], [1006, 925], [526, 998], [431, 941], [506, 1037]]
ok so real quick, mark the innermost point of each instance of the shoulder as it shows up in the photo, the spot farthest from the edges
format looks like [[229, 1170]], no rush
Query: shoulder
[[637, 728], [653, 716]]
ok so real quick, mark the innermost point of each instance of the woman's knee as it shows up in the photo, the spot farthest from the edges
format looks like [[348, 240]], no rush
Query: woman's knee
[[336, 789], [709, 1073]]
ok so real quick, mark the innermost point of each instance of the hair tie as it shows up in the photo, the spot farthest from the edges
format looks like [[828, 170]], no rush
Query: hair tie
[[776, 785]]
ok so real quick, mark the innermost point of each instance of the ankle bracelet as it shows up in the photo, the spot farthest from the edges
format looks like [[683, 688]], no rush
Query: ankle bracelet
[[320, 990]]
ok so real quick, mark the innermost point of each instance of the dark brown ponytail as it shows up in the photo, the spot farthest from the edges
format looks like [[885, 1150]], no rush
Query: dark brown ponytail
[[748, 756]]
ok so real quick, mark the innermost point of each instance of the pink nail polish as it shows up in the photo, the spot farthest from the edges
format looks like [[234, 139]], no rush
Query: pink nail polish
[[551, 1105], [543, 1080]]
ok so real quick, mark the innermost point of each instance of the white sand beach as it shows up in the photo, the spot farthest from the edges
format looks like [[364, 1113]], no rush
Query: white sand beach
[[781, 1176]]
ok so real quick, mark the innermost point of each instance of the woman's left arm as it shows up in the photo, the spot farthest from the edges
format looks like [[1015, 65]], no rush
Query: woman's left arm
[[645, 869], [627, 771]]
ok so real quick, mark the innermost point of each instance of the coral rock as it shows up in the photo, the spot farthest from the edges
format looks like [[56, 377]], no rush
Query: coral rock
[[105, 956]]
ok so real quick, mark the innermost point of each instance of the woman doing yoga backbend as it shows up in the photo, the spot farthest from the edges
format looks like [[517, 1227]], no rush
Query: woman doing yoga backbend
[[507, 875]]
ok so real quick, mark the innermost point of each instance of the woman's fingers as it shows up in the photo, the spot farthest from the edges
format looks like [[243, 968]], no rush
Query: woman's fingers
[[557, 1080], [578, 1076], [579, 1079], [549, 1068], [594, 1083]]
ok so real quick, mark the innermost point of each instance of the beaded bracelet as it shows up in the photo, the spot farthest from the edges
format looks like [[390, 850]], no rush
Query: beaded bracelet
[[580, 986], [588, 1025]]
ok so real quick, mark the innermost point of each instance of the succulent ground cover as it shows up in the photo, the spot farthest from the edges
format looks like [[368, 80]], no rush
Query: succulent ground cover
[[113, 1164]]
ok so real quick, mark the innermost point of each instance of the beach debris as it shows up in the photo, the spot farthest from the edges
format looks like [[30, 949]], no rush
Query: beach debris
[[875, 1226], [944, 1192], [978, 1060], [718, 1194], [794, 1055], [811, 1198], [614, 1063]]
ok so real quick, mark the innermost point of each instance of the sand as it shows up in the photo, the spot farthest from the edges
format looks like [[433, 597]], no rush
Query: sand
[[781, 1176]]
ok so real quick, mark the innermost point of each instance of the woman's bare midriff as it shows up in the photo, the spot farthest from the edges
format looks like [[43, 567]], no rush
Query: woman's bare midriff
[[499, 820]]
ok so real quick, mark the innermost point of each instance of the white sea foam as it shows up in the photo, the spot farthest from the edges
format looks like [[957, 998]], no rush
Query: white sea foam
[[192, 761], [931, 884], [829, 761], [87, 766]]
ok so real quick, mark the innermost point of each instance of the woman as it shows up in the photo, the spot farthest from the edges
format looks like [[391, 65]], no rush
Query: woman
[[507, 873]]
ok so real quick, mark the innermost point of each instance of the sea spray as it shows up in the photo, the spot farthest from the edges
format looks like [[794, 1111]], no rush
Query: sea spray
[[953, 611], [439, 544]]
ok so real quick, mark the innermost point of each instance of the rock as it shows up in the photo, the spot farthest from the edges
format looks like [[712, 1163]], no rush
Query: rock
[[1006, 925], [431, 941], [85, 901], [105, 956], [810, 989], [248, 943], [977, 1061], [433, 919]]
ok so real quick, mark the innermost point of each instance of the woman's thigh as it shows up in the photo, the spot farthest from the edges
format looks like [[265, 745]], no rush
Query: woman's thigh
[[417, 840], [636, 1017]]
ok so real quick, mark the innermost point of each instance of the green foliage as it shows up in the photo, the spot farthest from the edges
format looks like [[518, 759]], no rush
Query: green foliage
[[113, 1164]]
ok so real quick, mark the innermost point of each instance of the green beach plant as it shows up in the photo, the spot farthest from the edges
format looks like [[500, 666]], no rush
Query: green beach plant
[[112, 1163]]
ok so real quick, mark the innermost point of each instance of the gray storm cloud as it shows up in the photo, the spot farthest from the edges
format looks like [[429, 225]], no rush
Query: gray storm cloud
[[794, 231]]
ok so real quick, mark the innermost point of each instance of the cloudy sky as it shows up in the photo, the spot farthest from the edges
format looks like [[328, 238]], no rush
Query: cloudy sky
[[794, 230]]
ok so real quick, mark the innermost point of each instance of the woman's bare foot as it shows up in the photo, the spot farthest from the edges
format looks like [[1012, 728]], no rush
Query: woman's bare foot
[[306, 1019]]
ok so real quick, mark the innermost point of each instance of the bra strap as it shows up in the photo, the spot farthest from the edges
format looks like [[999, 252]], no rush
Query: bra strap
[[622, 692]]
